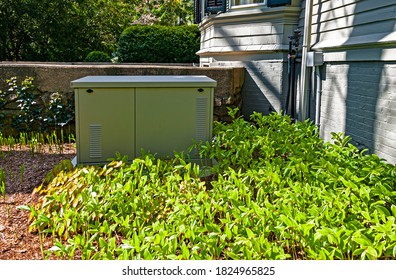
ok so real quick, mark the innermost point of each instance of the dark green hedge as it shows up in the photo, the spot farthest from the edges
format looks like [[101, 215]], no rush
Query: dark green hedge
[[97, 56], [159, 44]]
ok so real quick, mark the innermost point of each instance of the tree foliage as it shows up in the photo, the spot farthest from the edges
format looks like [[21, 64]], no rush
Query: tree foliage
[[164, 12], [40, 30], [67, 30]]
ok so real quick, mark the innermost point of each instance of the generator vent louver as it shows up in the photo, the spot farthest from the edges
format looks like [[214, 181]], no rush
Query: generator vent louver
[[201, 125], [95, 141]]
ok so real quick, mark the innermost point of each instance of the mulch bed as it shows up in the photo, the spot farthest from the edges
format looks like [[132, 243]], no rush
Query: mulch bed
[[24, 171]]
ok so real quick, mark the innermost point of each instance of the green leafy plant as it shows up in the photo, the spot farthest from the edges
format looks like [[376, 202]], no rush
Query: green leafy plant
[[37, 142], [277, 192], [2, 183], [26, 111], [26, 98], [62, 166]]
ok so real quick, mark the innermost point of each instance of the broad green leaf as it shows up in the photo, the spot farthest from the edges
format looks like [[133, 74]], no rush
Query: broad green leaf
[[54, 249], [287, 221], [147, 255], [126, 246], [393, 208], [366, 215], [362, 240], [306, 228], [185, 251], [171, 257], [371, 251], [394, 251], [250, 233], [102, 243], [383, 210], [233, 256], [24, 207], [228, 232]]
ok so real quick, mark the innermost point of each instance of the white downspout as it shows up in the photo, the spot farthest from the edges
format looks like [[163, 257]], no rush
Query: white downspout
[[305, 48]]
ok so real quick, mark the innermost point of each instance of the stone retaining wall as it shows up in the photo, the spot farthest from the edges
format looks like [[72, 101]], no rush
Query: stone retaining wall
[[56, 77]]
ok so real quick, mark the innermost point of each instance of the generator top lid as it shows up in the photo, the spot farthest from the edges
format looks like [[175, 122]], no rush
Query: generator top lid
[[143, 81]]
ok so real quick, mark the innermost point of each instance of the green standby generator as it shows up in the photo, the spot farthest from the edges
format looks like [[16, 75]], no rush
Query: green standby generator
[[132, 114]]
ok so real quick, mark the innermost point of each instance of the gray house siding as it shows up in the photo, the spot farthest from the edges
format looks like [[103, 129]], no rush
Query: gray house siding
[[257, 39], [358, 77], [360, 99], [358, 41]]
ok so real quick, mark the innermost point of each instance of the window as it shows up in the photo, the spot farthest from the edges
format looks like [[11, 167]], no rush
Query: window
[[203, 8], [246, 2], [215, 6]]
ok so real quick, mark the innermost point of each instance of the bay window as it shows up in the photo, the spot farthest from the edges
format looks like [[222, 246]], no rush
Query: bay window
[[203, 8], [245, 2]]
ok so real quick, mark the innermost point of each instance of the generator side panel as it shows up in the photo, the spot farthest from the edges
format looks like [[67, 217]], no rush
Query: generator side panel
[[105, 123], [169, 120]]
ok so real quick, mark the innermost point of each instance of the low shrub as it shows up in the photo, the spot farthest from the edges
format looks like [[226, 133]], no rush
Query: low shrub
[[97, 56], [277, 192], [159, 44], [24, 108]]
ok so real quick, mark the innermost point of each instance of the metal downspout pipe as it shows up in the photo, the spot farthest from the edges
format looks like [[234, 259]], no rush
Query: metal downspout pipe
[[294, 42], [305, 48], [318, 96]]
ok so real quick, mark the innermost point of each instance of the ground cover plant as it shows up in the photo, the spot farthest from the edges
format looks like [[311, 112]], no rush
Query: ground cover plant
[[25, 162], [277, 191]]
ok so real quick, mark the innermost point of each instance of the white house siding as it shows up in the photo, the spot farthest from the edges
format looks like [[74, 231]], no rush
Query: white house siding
[[358, 39], [256, 38]]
